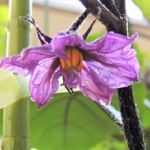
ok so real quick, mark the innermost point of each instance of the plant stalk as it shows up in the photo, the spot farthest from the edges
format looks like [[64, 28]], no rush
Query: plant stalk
[[131, 123], [16, 115]]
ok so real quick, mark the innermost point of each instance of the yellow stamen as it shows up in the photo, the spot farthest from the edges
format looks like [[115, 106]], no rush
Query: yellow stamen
[[74, 62]]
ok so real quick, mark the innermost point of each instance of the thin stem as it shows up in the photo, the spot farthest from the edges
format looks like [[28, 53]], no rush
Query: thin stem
[[16, 115], [132, 126], [113, 114], [91, 26], [112, 7], [107, 18], [121, 6], [79, 21]]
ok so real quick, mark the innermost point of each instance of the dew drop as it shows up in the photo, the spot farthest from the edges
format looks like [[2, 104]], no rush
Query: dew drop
[[10, 68], [105, 79], [91, 95], [87, 81], [110, 74], [123, 84], [97, 71], [35, 90], [113, 86]]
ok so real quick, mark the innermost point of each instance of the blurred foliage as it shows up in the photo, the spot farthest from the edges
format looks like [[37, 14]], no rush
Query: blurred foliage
[[114, 142], [144, 5], [3, 22]]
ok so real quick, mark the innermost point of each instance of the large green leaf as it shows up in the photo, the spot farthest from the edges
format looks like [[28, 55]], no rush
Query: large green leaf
[[68, 123], [144, 5]]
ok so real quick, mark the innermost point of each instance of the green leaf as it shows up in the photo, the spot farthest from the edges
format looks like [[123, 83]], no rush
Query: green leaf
[[144, 5], [69, 123]]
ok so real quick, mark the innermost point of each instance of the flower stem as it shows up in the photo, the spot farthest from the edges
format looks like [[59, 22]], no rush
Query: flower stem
[[16, 115], [132, 126], [79, 21]]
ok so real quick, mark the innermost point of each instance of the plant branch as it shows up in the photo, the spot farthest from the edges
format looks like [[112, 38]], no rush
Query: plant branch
[[112, 7], [132, 126], [112, 113], [107, 18], [79, 21], [121, 7]]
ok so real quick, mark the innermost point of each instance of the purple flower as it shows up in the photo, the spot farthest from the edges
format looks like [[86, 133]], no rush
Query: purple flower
[[97, 68]]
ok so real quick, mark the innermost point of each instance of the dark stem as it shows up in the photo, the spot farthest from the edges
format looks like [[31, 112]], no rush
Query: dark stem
[[121, 6], [107, 17], [111, 5], [79, 21], [132, 126], [91, 26]]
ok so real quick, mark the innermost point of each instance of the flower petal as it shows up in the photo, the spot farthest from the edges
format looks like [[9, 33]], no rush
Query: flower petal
[[115, 65], [44, 81], [92, 91], [38, 53], [111, 42], [72, 80], [62, 40], [114, 72], [16, 64]]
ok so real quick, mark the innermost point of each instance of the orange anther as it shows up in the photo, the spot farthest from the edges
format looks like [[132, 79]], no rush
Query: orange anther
[[74, 62]]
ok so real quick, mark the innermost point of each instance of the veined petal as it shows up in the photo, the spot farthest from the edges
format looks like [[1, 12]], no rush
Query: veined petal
[[72, 80], [38, 53], [111, 42], [16, 64], [44, 81], [92, 91], [115, 65], [62, 40], [115, 73]]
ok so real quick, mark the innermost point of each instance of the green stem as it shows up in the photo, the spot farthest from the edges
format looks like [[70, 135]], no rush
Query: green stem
[[16, 115]]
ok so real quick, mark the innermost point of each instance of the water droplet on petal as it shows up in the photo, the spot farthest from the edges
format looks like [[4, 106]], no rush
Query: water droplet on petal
[[113, 86], [87, 81], [35, 90], [91, 95], [97, 71], [110, 74], [10, 68], [123, 84], [105, 79]]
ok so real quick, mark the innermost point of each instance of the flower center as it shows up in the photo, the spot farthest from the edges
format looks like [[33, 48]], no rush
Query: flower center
[[74, 62]]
